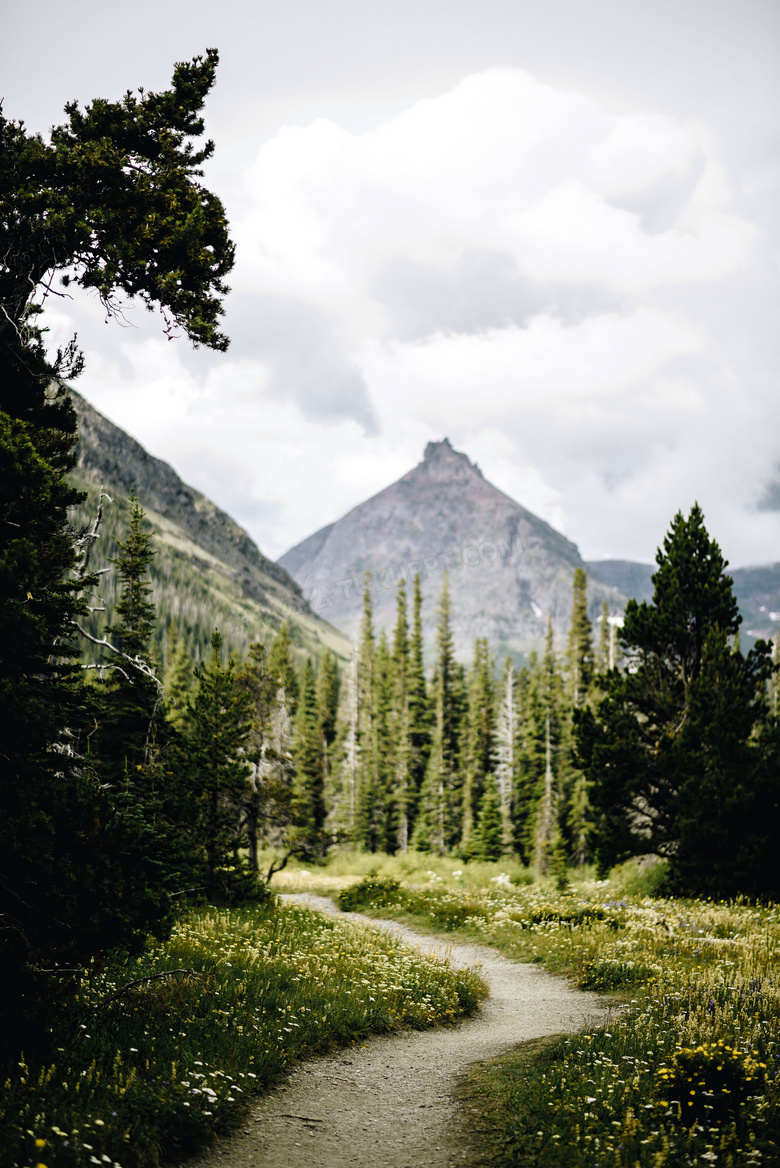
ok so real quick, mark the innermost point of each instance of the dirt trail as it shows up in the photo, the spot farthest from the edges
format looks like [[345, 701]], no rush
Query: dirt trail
[[390, 1103]]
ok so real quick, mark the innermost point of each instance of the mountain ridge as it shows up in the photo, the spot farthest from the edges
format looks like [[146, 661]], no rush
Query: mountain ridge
[[207, 569]]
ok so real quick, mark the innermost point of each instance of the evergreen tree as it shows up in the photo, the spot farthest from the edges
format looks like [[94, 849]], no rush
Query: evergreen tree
[[309, 801], [538, 803], [439, 821], [726, 812], [280, 665], [574, 815], [327, 703], [655, 729], [113, 201], [218, 771], [177, 680], [368, 799], [385, 809], [345, 790], [488, 841], [579, 646], [403, 791], [131, 697], [419, 705], [603, 662]]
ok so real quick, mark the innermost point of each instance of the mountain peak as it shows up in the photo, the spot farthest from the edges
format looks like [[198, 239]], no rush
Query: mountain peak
[[507, 568], [442, 460]]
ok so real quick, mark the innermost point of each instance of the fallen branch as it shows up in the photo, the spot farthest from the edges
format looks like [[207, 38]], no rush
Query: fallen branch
[[192, 973]]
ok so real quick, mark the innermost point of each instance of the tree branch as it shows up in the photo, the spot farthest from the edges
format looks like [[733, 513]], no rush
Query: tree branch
[[191, 973]]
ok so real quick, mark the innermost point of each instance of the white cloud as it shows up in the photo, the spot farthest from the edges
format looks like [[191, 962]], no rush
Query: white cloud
[[500, 162], [499, 374], [554, 286]]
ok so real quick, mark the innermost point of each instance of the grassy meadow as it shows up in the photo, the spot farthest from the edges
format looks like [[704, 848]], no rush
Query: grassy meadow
[[688, 1070], [161, 1053]]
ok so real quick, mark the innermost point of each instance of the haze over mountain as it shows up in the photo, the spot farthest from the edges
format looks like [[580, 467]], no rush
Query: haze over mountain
[[508, 569], [207, 571]]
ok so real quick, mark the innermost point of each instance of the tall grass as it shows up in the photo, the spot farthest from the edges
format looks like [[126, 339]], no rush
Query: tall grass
[[688, 1070], [148, 1071]]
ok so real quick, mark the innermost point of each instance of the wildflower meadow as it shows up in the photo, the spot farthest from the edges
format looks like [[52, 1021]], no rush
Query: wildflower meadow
[[162, 1053], [687, 1071]]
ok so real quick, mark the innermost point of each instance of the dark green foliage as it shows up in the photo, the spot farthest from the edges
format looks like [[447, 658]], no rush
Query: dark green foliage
[[680, 756], [419, 708], [488, 842], [114, 199], [130, 698], [309, 803], [439, 822], [479, 746], [75, 880], [216, 774]]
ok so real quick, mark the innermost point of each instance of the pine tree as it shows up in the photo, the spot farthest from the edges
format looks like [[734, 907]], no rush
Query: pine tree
[[538, 800], [403, 792], [345, 789], [579, 646], [488, 841], [266, 810], [385, 805], [280, 664], [603, 653], [218, 772], [177, 680], [439, 821], [419, 705], [369, 811], [574, 813], [640, 748], [131, 698], [309, 801]]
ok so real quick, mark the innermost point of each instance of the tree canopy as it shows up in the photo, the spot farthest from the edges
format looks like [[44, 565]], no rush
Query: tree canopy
[[113, 202]]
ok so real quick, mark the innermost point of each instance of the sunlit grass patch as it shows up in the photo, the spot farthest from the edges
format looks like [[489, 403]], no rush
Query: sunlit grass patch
[[151, 1070], [695, 978]]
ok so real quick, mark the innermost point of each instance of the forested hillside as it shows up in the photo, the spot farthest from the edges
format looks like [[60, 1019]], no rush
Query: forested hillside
[[206, 572]]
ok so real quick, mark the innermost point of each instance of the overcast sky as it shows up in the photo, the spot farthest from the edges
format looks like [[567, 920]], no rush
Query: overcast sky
[[548, 231]]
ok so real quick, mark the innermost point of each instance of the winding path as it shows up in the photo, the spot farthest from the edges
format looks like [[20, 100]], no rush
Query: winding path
[[390, 1103]]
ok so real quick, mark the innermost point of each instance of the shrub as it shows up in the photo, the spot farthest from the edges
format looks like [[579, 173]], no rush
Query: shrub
[[709, 1083], [372, 891]]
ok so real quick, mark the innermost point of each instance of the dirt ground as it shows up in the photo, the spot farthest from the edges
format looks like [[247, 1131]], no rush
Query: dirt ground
[[391, 1103]]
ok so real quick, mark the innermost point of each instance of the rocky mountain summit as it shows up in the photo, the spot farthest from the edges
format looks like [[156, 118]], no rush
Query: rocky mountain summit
[[508, 570], [207, 570]]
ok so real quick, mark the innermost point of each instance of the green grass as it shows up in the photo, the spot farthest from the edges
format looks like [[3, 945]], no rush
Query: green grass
[[688, 1070], [153, 1072]]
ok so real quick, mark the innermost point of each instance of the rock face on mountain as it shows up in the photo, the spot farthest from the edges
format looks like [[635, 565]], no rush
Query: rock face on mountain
[[508, 570], [207, 570]]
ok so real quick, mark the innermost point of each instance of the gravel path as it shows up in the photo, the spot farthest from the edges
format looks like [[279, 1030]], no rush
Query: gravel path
[[390, 1103]]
